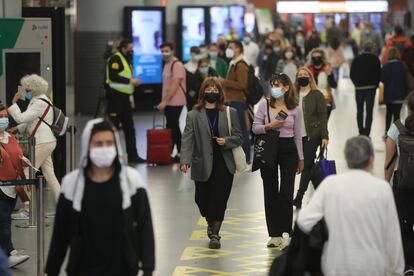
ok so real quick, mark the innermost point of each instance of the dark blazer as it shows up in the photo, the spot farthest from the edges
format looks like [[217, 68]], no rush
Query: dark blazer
[[315, 115], [394, 77], [197, 143]]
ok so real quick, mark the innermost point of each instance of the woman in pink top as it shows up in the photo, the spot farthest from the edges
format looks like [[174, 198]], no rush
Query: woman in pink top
[[279, 202]]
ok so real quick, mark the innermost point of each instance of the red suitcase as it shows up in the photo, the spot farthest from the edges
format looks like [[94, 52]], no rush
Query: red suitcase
[[159, 144]]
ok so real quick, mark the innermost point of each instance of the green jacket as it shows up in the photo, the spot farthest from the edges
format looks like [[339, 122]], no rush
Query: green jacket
[[315, 115], [221, 67]]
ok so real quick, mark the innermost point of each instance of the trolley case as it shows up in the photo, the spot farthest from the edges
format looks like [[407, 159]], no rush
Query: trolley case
[[159, 144]]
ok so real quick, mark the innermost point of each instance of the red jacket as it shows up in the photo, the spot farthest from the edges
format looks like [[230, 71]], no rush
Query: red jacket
[[396, 40]]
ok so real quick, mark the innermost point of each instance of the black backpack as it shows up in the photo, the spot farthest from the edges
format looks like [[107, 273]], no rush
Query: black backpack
[[254, 90], [405, 172]]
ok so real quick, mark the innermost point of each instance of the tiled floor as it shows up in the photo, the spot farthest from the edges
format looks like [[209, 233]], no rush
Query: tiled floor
[[181, 242]]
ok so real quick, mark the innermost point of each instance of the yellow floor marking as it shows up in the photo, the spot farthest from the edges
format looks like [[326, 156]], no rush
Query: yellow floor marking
[[191, 253], [201, 235]]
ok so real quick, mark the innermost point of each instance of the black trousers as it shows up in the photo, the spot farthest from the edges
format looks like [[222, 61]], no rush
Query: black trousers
[[404, 202], [172, 113], [279, 202], [212, 196], [365, 100], [392, 115], [6, 208], [310, 147], [120, 113]]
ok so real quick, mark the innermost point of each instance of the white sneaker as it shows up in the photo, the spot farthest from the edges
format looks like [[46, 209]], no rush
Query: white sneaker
[[20, 215], [274, 242], [16, 258], [285, 241]]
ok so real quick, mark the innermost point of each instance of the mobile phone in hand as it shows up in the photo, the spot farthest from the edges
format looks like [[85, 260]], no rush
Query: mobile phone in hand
[[21, 91], [281, 116]]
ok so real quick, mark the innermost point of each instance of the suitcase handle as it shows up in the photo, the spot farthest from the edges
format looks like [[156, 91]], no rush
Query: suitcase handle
[[154, 115]]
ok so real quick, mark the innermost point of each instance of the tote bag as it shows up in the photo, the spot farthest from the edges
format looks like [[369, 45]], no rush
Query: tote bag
[[238, 152], [265, 148]]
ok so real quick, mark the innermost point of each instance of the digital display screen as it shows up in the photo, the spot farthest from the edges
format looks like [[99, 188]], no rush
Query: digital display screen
[[249, 22], [193, 30], [147, 39], [264, 21], [237, 19], [220, 22]]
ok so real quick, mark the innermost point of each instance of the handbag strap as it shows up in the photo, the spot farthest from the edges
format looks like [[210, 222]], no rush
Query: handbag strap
[[172, 72], [41, 119], [268, 109], [228, 119]]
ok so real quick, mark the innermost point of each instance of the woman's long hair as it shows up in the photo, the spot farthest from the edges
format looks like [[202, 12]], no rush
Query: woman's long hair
[[409, 122], [309, 63], [291, 99], [210, 82], [312, 81]]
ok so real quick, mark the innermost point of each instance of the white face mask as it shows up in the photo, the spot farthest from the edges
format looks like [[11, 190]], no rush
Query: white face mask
[[103, 157], [229, 53]]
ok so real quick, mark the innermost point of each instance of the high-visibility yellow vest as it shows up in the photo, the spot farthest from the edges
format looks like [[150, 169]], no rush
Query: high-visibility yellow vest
[[127, 73]]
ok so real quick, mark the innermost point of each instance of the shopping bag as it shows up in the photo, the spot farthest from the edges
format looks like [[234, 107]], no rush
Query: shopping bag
[[328, 167], [322, 168], [381, 94]]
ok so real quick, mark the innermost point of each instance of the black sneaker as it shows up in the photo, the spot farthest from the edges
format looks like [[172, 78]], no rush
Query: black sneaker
[[209, 231], [175, 159], [214, 242], [136, 160]]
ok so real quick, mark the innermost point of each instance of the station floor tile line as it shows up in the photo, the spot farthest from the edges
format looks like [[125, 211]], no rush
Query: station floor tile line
[[243, 249]]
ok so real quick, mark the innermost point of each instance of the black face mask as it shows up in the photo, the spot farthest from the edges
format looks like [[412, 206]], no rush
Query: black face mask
[[129, 55], [211, 97], [317, 61], [303, 81]]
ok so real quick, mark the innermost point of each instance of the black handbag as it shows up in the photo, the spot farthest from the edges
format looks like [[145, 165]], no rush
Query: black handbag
[[265, 148]]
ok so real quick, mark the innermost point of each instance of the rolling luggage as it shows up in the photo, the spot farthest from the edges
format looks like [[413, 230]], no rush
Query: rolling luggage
[[159, 144]]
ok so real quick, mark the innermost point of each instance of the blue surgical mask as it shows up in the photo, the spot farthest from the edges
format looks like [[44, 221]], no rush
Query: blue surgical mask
[[213, 54], [4, 124], [29, 96], [277, 92], [247, 39], [203, 70]]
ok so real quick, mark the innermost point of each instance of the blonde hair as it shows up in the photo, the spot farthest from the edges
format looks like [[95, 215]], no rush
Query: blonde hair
[[309, 63], [35, 83], [312, 81]]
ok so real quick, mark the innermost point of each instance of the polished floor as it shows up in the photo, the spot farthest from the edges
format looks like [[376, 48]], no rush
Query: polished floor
[[181, 241]]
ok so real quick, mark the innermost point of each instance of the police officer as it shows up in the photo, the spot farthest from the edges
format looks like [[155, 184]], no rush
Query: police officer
[[122, 85]]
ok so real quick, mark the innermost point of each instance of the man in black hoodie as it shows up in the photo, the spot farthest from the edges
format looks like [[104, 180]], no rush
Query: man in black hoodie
[[103, 213], [365, 74]]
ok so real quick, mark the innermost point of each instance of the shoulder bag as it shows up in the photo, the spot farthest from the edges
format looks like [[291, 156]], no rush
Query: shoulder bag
[[238, 152], [265, 147]]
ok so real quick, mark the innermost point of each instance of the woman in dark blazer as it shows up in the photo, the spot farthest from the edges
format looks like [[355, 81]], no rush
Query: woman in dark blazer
[[207, 147], [314, 125], [393, 76]]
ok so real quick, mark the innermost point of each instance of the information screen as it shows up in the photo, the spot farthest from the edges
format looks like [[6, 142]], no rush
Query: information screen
[[220, 22], [249, 22], [147, 38], [237, 19], [264, 21], [193, 28]]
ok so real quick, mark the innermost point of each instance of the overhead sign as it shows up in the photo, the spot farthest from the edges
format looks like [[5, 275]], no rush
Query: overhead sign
[[331, 6]]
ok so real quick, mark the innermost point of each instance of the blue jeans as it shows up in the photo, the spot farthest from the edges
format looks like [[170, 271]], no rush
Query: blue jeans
[[6, 208], [241, 112]]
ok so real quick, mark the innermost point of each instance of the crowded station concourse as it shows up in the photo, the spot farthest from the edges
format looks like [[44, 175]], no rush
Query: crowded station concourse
[[207, 139]]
